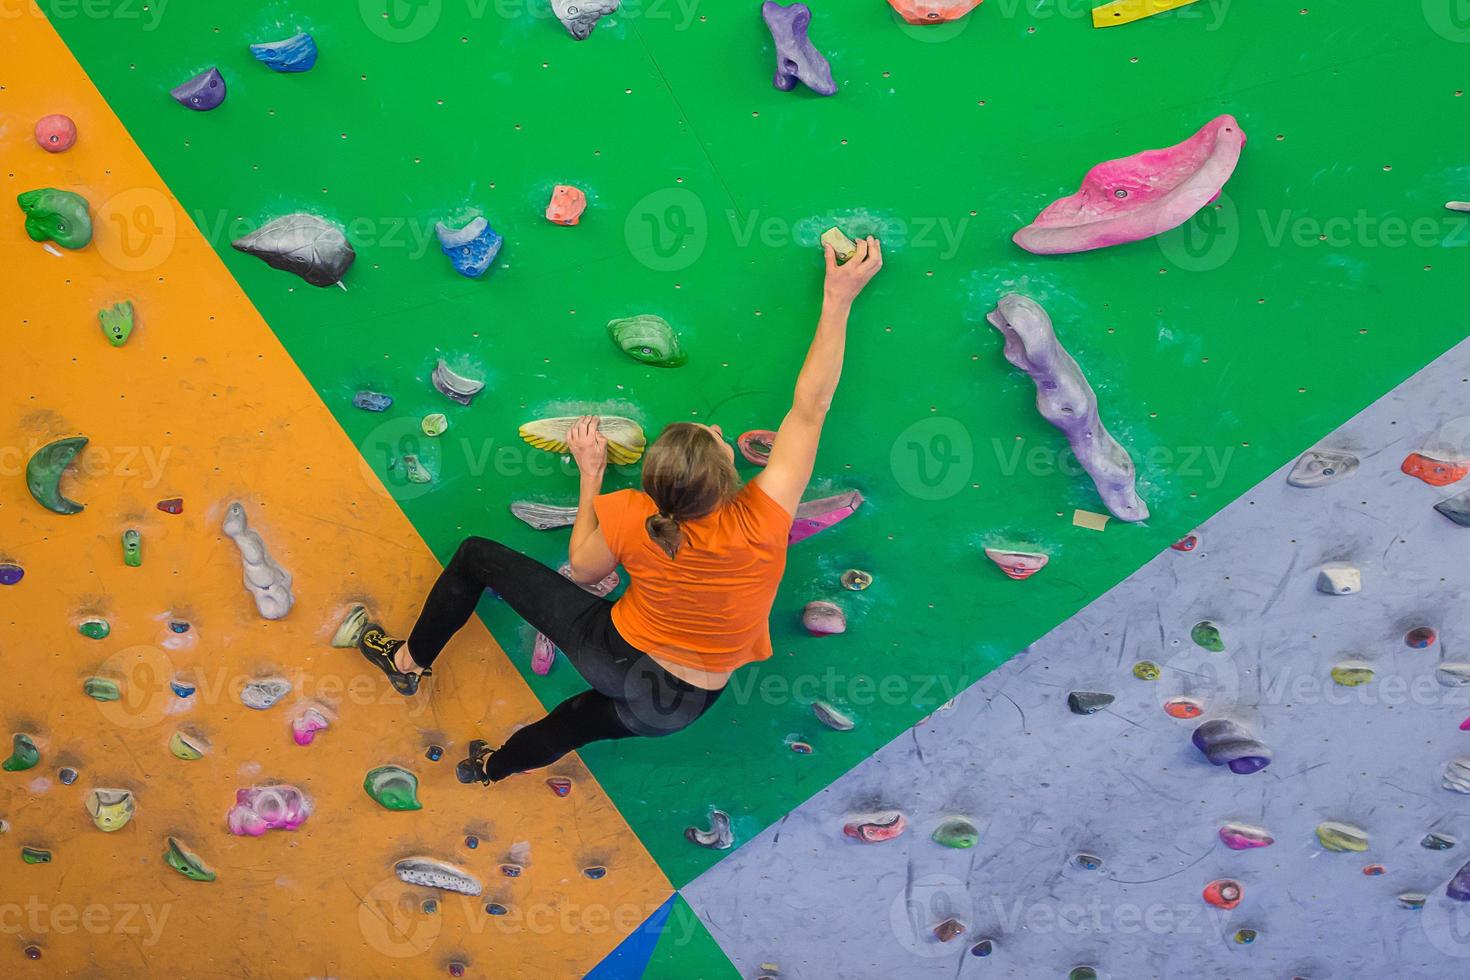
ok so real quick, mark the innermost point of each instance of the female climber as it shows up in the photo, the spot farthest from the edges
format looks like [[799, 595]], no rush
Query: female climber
[[704, 557]]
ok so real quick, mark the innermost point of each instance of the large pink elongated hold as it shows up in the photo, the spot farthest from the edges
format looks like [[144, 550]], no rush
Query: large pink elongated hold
[[261, 808], [1140, 196], [815, 516]]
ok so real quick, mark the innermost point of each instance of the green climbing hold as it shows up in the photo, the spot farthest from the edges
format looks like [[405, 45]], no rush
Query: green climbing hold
[[416, 471], [132, 544], [117, 323], [43, 474], [957, 832], [25, 756], [185, 747], [1352, 673], [94, 629], [1082, 973], [57, 216], [102, 689], [647, 339], [1337, 836], [35, 855], [435, 425], [186, 862], [1207, 635], [394, 788]]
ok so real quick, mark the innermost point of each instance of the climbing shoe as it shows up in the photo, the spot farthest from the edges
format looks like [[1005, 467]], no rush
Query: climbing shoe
[[379, 648], [472, 769]]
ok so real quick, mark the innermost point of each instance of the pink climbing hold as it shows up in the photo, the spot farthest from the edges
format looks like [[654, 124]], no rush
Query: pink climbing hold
[[1018, 565], [756, 445], [815, 516], [567, 205], [824, 619], [304, 728], [1139, 196], [932, 11], [56, 133], [1465, 725], [1187, 543], [560, 785], [258, 809], [1434, 471], [1243, 837], [876, 828]]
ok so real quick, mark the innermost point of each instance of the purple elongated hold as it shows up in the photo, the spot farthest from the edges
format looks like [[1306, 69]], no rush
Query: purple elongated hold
[[1067, 401], [815, 516], [797, 59], [201, 93], [1459, 886], [1229, 743]]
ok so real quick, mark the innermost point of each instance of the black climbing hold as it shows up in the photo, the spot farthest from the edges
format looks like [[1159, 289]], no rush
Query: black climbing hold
[[435, 753], [1088, 702], [495, 908], [430, 906], [1437, 842], [67, 776], [983, 948]]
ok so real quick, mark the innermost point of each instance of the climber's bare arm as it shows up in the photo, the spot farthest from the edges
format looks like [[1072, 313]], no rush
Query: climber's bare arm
[[590, 557], [794, 454]]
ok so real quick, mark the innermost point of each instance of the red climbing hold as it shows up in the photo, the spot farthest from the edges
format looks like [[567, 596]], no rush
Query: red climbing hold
[[567, 205], [1183, 708], [1187, 543], [56, 133], [1420, 637], [560, 785], [1435, 472], [1374, 870], [876, 828], [173, 505], [1224, 893], [932, 11]]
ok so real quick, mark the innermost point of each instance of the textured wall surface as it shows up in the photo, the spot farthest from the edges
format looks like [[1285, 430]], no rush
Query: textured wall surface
[[1043, 784]]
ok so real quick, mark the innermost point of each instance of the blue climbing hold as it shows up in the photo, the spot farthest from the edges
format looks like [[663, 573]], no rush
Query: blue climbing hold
[[471, 249], [182, 689], [372, 401], [293, 55], [495, 908], [472, 842], [435, 753]]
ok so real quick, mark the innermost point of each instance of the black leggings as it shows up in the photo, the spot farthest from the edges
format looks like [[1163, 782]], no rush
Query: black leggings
[[631, 694]]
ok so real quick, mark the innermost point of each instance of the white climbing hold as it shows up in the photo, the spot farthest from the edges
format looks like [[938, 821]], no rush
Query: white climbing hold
[[1457, 775], [267, 581], [436, 874], [1340, 578]]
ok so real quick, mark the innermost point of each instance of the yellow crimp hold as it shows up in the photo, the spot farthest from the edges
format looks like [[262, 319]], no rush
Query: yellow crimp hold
[[625, 438], [1121, 12]]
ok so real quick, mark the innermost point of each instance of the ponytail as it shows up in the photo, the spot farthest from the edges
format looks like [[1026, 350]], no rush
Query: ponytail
[[665, 532], [689, 475]]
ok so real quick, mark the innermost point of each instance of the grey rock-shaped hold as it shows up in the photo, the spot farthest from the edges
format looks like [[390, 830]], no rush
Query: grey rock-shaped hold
[[1340, 578], [832, 718], [543, 517], [1437, 842], [264, 693], [1456, 508], [1229, 743], [304, 244], [1457, 775], [203, 92], [1067, 401], [436, 874], [1453, 674], [1088, 702], [579, 17], [1319, 467], [719, 837], [797, 59], [267, 582], [454, 386]]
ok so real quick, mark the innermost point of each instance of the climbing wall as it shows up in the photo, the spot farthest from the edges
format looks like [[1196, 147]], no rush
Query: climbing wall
[[1219, 350], [1099, 835]]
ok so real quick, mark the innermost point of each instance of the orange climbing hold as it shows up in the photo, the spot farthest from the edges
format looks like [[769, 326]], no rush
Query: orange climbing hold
[[567, 205], [932, 11], [1224, 893], [1183, 708], [1435, 472]]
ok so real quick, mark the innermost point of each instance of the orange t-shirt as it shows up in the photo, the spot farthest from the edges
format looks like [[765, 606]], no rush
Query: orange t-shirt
[[708, 608]]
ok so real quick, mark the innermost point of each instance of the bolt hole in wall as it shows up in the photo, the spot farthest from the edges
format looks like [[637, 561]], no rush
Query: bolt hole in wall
[[664, 211]]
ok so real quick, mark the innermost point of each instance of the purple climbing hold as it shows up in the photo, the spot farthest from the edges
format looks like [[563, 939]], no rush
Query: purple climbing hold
[[1229, 743], [11, 574], [201, 93], [1459, 886], [797, 59]]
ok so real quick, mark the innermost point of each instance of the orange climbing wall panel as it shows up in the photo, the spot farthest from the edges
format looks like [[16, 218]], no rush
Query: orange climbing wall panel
[[204, 404]]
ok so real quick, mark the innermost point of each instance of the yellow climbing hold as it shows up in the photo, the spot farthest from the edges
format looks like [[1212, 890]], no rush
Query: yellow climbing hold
[[186, 748], [111, 809], [1337, 836], [625, 438], [1121, 12], [1352, 673]]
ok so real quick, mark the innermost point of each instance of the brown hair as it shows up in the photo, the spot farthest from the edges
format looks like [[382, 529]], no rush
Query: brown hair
[[689, 476]]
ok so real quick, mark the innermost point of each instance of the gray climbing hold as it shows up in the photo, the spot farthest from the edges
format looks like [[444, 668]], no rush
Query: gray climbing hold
[[1067, 401], [797, 59], [267, 582], [303, 244], [430, 873], [1413, 901], [1457, 775], [1437, 842], [264, 693], [543, 517], [1456, 508], [455, 387], [1340, 578], [1229, 743], [1088, 702], [719, 837], [579, 17], [831, 717], [1453, 674], [415, 470], [1319, 467]]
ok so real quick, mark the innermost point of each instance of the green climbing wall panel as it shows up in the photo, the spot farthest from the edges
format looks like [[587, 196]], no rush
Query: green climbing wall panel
[[1218, 350]]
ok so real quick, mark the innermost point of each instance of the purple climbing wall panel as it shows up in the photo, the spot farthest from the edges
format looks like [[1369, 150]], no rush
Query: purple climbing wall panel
[[1371, 746]]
